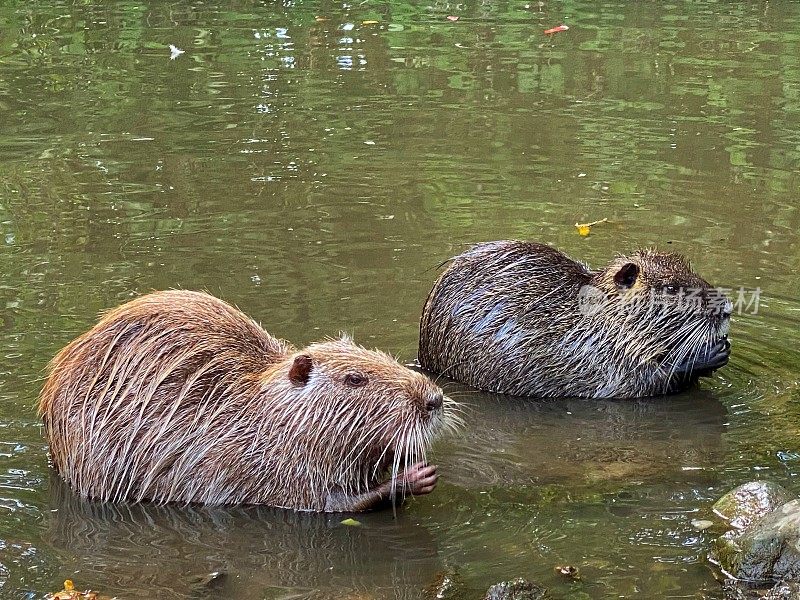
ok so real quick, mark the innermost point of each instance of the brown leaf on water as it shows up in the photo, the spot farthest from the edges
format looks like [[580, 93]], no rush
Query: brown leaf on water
[[70, 593]]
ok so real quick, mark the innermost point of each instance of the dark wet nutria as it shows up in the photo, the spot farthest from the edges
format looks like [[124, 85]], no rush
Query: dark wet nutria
[[522, 318], [178, 396]]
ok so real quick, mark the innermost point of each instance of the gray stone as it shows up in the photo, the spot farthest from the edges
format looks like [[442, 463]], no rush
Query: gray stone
[[734, 590], [784, 591], [769, 550], [746, 504], [518, 589]]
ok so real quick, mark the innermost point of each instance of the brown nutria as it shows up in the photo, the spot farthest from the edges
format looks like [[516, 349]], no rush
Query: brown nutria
[[522, 318], [178, 396]]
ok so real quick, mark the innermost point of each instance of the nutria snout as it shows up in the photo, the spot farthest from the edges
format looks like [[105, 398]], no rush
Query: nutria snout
[[709, 359], [523, 318], [178, 396]]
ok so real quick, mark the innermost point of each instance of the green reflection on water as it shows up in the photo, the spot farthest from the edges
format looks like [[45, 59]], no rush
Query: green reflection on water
[[314, 170]]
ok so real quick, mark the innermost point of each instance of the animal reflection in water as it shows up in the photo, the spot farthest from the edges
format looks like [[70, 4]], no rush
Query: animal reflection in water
[[170, 550], [517, 442]]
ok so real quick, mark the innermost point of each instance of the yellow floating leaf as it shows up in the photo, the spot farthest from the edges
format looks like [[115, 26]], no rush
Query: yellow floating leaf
[[370, 22], [585, 228], [68, 585], [351, 523]]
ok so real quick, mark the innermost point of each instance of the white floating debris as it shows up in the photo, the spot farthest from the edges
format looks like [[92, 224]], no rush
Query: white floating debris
[[702, 524], [175, 52]]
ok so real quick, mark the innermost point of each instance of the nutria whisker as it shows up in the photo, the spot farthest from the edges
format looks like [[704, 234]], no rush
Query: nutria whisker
[[401, 454], [689, 350], [376, 471], [689, 345], [454, 411]]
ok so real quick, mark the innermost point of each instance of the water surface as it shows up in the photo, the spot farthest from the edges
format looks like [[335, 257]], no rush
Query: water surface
[[314, 168]]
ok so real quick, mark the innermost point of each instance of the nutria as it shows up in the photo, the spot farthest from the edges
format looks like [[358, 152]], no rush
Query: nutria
[[522, 318], [178, 396]]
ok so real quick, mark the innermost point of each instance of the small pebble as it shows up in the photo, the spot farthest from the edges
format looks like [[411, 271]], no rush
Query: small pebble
[[568, 571], [702, 524]]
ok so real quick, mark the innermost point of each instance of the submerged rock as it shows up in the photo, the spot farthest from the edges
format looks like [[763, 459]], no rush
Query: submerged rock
[[446, 586], [783, 591], [768, 550], [517, 589], [746, 504], [761, 552]]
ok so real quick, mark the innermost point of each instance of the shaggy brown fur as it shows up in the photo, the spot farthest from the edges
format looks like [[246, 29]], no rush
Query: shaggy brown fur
[[522, 318], [177, 396]]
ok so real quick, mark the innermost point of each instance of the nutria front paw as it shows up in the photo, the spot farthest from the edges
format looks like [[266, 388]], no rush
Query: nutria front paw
[[419, 479]]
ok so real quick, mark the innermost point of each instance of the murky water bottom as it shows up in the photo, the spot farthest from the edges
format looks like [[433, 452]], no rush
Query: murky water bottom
[[313, 163]]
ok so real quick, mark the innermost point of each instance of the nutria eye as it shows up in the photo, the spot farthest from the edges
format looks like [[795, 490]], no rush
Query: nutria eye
[[355, 379]]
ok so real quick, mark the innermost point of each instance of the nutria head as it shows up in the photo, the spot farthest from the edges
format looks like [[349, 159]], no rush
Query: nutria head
[[368, 414], [662, 316]]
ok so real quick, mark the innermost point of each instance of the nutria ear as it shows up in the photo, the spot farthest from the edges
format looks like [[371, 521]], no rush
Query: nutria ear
[[626, 276], [301, 369]]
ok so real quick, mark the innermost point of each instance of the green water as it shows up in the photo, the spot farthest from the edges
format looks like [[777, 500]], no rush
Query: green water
[[314, 170]]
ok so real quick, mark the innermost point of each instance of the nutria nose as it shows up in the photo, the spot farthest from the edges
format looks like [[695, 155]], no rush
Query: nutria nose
[[435, 402]]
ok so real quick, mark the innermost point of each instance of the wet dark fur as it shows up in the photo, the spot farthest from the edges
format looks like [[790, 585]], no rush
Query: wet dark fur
[[177, 396], [522, 318]]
